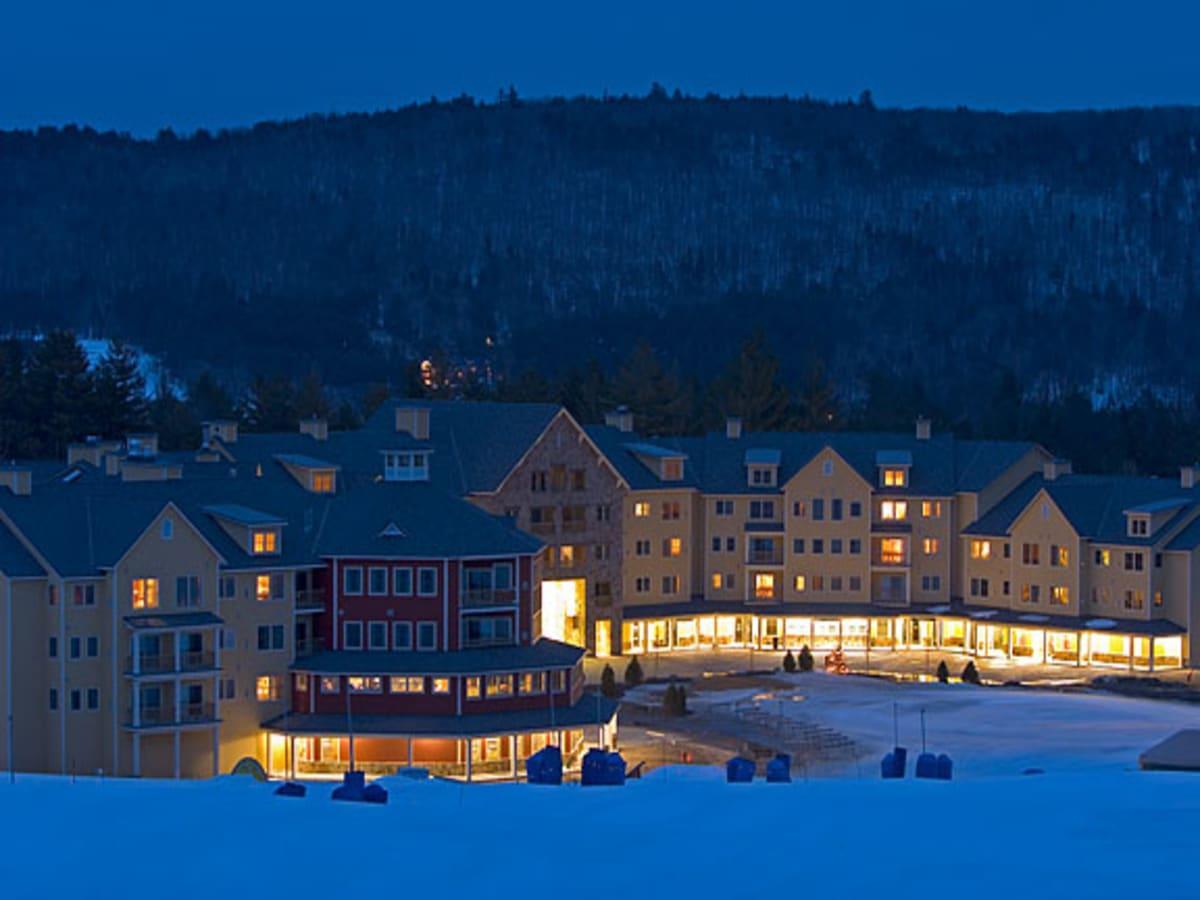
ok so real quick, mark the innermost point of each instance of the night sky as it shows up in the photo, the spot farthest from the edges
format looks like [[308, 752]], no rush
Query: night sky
[[139, 66]]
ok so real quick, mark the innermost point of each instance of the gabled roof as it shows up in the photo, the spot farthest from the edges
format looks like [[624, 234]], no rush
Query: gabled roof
[[244, 515], [763, 456], [15, 560], [893, 458], [305, 462], [654, 451]]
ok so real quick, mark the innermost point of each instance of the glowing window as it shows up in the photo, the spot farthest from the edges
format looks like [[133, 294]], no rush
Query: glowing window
[[265, 542], [673, 546], [365, 684], [893, 510], [895, 477], [474, 691], [931, 509], [266, 687], [145, 593], [716, 581], [930, 546], [322, 482], [1104, 557], [641, 509], [891, 551], [800, 583], [1060, 594], [441, 685], [764, 585], [981, 549], [407, 685]]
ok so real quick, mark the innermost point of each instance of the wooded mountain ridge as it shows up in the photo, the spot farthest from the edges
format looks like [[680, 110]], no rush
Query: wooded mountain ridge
[[937, 248]]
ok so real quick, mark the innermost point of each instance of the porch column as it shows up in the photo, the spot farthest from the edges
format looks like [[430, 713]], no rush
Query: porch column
[[1010, 641], [175, 639], [1132, 643], [137, 707], [1079, 649], [176, 750], [136, 650], [469, 742], [216, 750], [410, 751], [137, 755], [1045, 646], [1151, 661], [512, 752]]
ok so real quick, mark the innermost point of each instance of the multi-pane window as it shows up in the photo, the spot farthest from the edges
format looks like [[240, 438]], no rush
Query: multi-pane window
[[764, 585], [85, 594], [426, 581], [145, 593], [641, 509], [931, 509], [377, 635], [670, 510], [641, 584], [405, 466], [402, 581], [1133, 562], [532, 683], [426, 635], [269, 587], [799, 583], [1060, 594], [1135, 599], [270, 637], [724, 507], [499, 685], [365, 684], [267, 687], [402, 636], [641, 548], [672, 546], [1060, 556], [407, 684], [929, 546], [1030, 554], [352, 580], [264, 541], [895, 477], [187, 591], [670, 584], [762, 509], [377, 580], [1103, 557], [893, 510], [981, 549]]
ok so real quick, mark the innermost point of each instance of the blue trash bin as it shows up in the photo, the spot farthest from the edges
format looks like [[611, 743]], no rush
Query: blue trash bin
[[351, 788], [945, 767], [545, 766], [290, 789], [779, 770], [602, 768], [739, 770], [927, 766], [893, 764]]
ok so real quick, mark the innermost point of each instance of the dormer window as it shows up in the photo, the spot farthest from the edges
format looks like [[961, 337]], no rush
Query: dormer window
[[264, 541], [894, 477], [762, 476], [404, 465], [762, 466], [322, 482], [1139, 526], [672, 469]]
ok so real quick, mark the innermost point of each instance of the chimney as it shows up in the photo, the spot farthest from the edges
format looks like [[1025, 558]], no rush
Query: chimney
[[413, 420], [1187, 476], [17, 479], [316, 428], [1055, 468], [924, 428], [112, 464], [733, 427], [141, 446], [620, 418]]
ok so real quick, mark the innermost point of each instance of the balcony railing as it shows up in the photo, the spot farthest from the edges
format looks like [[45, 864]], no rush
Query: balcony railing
[[765, 557], [488, 597], [164, 663], [309, 647], [542, 527], [574, 525], [312, 600], [164, 716]]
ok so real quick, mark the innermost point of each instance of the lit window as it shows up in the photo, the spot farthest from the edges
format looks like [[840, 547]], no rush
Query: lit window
[[981, 549], [566, 555], [473, 688], [322, 482], [893, 510], [441, 685], [365, 684], [673, 546], [407, 685], [764, 585], [894, 477], [145, 593], [930, 546], [265, 542], [533, 683], [266, 687], [1059, 556], [716, 581], [891, 551], [1104, 557], [330, 684], [1060, 594], [499, 685], [262, 587], [931, 509], [641, 509], [800, 583]]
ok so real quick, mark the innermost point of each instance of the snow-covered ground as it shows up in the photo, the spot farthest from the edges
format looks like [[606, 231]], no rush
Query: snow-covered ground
[[677, 833], [985, 730]]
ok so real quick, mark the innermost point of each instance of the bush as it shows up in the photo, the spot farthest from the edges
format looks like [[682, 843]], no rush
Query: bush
[[608, 682], [789, 662], [675, 700], [806, 659], [633, 673], [943, 672], [970, 674]]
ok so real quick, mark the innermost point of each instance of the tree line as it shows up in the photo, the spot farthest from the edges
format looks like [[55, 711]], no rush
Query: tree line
[[49, 397]]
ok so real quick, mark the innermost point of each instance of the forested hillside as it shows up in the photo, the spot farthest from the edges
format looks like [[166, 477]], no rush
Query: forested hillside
[[937, 250]]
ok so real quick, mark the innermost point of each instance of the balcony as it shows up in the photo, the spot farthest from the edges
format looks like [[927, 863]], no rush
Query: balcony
[[312, 600], [773, 557], [309, 647], [475, 597], [164, 716], [542, 527], [164, 664]]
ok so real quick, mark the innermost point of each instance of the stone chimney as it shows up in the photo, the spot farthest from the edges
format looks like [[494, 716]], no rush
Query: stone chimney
[[733, 427], [1056, 468], [17, 479], [1187, 476], [924, 428], [620, 418], [316, 428], [413, 420]]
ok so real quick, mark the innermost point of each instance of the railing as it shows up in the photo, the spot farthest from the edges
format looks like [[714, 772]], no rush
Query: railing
[[309, 646], [312, 599], [765, 557], [488, 597], [476, 643], [542, 527], [164, 716], [164, 663], [574, 525]]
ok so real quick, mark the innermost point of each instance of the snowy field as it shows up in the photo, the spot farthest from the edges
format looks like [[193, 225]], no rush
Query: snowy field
[[986, 731], [677, 833]]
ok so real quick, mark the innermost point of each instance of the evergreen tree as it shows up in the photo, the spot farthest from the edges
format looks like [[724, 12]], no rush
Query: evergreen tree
[[14, 416], [789, 662], [633, 673], [805, 661], [943, 672], [310, 398], [376, 395], [817, 401], [660, 405], [670, 700], [608, 682], [208, 398], [270, 405], [174, 422], [120, 401], [970, 674], [751, 388], [59, 394]]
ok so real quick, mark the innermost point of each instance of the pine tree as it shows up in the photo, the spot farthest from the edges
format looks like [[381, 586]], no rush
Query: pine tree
[[14, 422], [970, 674], [789, 662], [806, 659], [60, 394], [310, 398], [208, 398], [270, 405], [943, 672], [120, 403], [376, 395], [660, 405], [670, 701], [633, 673], [818, 410], [608, 682], [751, 388], [174, 422]]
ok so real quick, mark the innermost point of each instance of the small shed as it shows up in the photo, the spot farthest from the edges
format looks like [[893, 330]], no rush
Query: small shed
[[1178, 753]]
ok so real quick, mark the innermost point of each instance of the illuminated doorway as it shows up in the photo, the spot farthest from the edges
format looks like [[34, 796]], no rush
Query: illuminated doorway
[[603, 637], [563, 603]]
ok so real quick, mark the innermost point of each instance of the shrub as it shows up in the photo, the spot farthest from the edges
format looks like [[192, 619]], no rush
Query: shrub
[[789, 662], [943, 672], [970, 674], [608, 682], [674, 700], [633, 673], [806, 659]]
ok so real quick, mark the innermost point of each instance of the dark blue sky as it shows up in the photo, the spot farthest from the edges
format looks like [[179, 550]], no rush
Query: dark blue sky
[[136, 66]]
